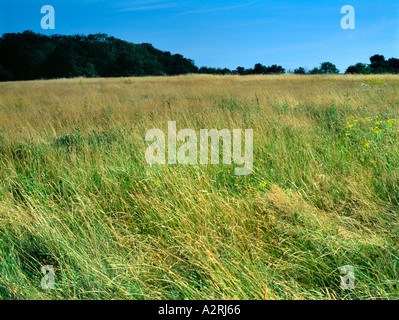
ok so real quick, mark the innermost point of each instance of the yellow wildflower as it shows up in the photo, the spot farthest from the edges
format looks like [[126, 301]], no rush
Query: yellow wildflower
[[376, 129]]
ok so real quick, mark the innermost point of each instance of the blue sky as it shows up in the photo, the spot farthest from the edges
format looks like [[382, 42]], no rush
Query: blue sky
[[223, 33]]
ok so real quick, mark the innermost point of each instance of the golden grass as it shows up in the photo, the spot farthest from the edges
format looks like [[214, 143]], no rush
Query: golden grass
[[77, 193]]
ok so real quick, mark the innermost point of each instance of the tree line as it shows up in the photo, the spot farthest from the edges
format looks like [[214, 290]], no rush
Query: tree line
[[30, 56], [257, 69], [377, 65]]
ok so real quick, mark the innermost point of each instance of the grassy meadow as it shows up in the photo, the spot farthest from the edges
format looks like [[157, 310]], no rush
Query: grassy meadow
[[77, 193]]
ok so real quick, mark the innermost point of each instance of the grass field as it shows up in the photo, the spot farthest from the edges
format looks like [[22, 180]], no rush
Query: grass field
[[77, 193]]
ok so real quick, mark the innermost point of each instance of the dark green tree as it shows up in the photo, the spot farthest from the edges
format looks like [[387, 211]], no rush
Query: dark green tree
[[315, 71], [358, 68], [240, 71], [27, 56], [379, 64], [394, 65], [328, 68], [300, 70]]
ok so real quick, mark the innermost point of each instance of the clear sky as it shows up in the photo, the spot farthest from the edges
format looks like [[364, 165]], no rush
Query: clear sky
[[227, 33]]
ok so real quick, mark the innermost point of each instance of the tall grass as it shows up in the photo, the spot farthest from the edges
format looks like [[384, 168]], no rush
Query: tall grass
[[76, 192]]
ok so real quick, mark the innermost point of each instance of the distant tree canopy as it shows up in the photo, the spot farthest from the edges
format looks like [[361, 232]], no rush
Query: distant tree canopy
[[358, 68], [377, 65], [219, 71], [325, 68], [300, 70], [27, 55], [259, 69]]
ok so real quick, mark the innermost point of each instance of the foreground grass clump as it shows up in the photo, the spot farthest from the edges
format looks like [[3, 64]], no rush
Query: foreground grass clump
[[76, 192]]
